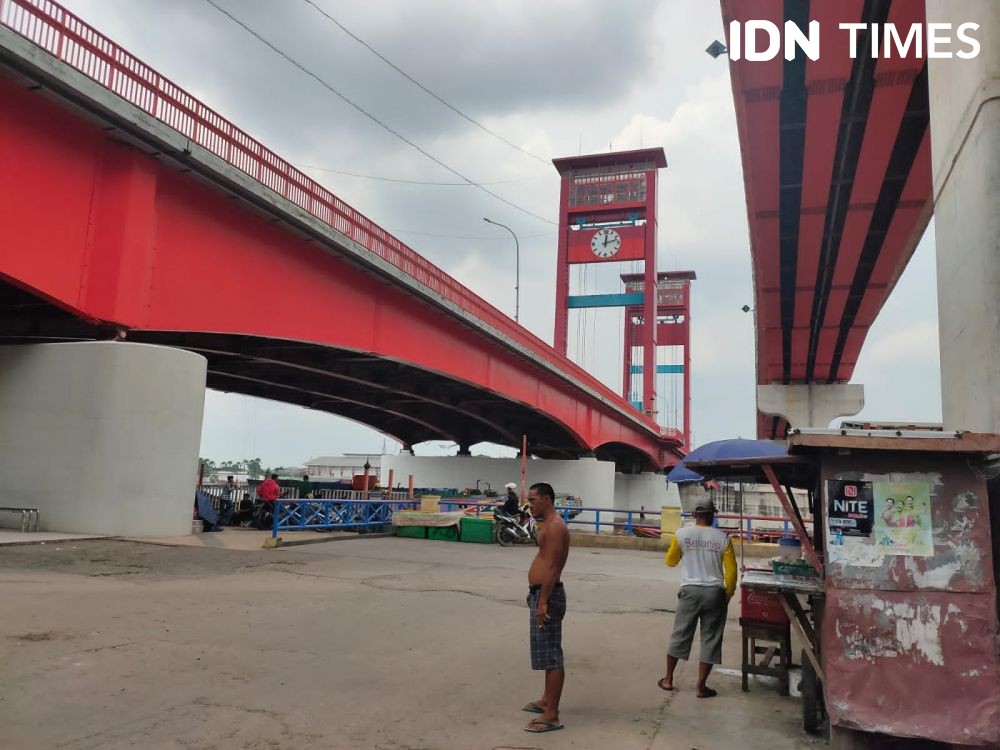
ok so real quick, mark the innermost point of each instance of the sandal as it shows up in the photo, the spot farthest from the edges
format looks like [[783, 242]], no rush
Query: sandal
[[545, 726]]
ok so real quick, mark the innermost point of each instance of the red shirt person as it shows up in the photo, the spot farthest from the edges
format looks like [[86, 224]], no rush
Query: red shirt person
[[269, 491]]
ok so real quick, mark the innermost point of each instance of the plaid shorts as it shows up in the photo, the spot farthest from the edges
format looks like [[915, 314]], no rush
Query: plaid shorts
[[546, 642]]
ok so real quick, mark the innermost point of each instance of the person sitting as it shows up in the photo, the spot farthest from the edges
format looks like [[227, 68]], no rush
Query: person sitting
[[269, 490], [512, 503], [244, 513]]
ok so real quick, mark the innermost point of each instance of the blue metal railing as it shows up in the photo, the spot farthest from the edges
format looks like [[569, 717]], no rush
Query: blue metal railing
[[571, 515], [306, 515], [754, 528]]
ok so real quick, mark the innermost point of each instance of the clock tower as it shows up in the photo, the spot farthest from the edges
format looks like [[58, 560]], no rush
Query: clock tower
[[607, 214]]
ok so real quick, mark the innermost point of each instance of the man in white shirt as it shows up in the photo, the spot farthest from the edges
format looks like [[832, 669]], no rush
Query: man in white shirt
[[708, 583]]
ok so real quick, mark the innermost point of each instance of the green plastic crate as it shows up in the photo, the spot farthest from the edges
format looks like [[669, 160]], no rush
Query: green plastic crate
[[477, 530], [443, 533], [413, 532]]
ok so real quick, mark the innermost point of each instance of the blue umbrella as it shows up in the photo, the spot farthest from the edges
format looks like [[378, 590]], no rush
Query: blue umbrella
[[722, 449]]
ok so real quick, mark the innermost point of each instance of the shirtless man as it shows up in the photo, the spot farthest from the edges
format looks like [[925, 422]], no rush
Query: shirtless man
[[547, 606]]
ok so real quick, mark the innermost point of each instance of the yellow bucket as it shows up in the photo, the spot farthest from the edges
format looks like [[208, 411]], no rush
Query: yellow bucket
[[670, 520], [429, 503]]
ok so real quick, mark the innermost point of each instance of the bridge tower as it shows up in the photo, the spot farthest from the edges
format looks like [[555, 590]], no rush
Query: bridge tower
[[673, 328], [607, 214]]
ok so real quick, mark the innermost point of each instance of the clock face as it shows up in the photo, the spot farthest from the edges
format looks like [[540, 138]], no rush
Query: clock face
[[605, 243]]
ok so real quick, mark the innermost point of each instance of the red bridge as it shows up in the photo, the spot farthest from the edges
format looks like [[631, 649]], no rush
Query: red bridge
[[129, 208], [837, 169]]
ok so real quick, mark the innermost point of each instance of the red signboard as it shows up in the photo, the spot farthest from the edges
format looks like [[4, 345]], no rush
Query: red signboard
[[606, 244]]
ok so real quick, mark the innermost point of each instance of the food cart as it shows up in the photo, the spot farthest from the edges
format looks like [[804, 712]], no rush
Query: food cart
[[900, 628]]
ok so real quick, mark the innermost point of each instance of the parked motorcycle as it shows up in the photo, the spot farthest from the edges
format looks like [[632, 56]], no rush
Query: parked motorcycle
[[510, 530], [263, 514]]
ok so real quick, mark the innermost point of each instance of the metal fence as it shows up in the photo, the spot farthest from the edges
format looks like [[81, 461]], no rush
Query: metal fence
[[611, 520], [363, 513], [318, 515]]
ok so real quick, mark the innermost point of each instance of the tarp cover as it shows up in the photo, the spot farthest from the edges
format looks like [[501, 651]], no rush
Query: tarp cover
[[416, 518]]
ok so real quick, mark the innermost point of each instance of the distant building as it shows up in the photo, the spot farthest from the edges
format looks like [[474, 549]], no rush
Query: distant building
[[219, 476], [342, 468]]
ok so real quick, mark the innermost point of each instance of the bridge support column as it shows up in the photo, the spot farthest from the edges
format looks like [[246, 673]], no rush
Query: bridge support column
[[101, 437], [647, 490], [811, 405], [965, 131]]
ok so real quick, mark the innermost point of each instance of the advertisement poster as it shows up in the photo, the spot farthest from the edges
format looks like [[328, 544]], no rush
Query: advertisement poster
[[903, 518], [851, 508]]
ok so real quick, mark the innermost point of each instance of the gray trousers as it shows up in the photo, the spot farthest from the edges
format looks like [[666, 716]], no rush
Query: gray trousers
[[699, 603]]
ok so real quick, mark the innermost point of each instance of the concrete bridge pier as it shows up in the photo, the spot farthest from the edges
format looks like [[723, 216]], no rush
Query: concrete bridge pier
[[965, 146], [101, 437], [812, 405]]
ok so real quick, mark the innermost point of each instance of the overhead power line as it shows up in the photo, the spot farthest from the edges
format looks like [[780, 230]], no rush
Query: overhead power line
[[409, 182], [372, 117], [421, 86], [470, 237]]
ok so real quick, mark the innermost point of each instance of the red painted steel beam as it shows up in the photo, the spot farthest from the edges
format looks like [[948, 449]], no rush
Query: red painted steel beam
[[826, 79], [145, 247], [756, 94], [77, 46], [882, 128], [908, 224], [757, 91]]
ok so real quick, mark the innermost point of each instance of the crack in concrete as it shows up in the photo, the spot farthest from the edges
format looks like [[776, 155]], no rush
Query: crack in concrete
[[255, 566], [370, 582], [285, 727], [140, 724], [273, 715], [100, 648], [661, 716]]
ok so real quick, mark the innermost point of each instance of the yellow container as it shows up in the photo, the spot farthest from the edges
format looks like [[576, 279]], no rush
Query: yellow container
[[429, 503], [670, 520]]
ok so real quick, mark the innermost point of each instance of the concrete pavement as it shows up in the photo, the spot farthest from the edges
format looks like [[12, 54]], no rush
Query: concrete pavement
[[382, 643]]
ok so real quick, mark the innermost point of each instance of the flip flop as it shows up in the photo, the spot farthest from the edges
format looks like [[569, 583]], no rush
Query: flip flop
[[709, 693], [659, 684], [546, 726], [533, 708]]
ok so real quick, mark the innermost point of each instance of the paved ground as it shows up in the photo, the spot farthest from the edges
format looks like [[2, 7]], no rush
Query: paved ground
[[247, 539], [13, 536], [383, 643]]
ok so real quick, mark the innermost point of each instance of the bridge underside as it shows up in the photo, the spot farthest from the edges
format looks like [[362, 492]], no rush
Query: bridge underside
[[404, 402], [837, 172]]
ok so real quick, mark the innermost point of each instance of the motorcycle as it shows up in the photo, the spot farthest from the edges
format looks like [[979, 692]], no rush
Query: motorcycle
[[510, 530]]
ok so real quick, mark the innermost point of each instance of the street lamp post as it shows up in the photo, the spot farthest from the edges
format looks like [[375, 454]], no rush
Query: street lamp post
[[517, 278]]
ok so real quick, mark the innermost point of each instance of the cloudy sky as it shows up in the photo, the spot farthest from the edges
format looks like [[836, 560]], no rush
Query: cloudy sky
[[554, 78]]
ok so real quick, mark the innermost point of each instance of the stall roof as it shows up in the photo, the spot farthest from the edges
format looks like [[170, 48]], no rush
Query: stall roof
[[793, 471], [926, 441], [798, 469]]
